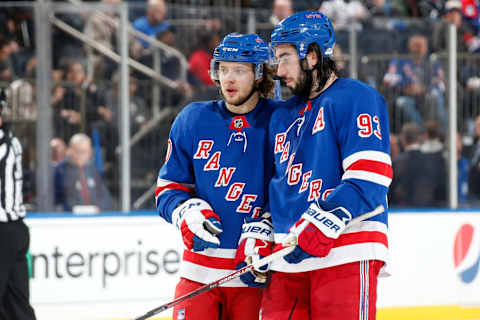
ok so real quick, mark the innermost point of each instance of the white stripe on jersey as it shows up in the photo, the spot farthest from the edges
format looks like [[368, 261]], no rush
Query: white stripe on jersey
[[366, 155], [10, 184], [18, 174], [368, 176], [219, 253], [340, 255], [164, 183]]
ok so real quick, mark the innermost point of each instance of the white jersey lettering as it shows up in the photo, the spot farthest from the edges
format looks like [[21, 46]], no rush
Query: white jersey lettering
[[224, 177], [203, 150]]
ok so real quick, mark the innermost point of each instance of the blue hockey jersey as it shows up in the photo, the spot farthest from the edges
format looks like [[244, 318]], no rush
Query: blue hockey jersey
[[334, 149], [219, 157]]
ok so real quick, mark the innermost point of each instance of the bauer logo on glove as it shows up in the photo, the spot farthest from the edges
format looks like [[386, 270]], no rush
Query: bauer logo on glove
[[256, 242], [315, 232]]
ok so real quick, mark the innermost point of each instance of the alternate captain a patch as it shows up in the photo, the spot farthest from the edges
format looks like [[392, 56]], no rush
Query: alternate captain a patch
[[238, 123]]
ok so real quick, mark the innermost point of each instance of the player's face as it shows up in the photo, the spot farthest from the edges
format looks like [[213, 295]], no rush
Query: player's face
[[288, 65], [236, 80]]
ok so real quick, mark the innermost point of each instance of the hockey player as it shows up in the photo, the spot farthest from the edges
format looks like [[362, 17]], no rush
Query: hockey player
[[332, 163], [215, 179]]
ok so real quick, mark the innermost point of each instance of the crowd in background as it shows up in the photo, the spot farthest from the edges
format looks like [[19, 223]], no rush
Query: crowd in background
[[411, 74]]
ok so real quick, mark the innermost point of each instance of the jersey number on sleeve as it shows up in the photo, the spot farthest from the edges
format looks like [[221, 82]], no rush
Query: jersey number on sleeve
[[365, 125]]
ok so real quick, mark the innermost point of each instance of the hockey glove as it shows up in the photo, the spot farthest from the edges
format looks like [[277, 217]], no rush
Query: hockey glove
[[255, 243], [315, 232], [198, 224]]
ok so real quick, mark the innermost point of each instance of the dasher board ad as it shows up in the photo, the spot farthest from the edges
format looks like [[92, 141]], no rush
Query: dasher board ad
[[103, 259]]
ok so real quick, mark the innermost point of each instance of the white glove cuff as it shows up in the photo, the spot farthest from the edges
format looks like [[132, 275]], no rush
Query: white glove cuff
[[325, 221], [257, 230], [182, 210]]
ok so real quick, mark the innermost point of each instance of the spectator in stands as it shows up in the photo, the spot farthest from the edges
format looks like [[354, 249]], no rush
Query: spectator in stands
[[467, 40], [103, 31], [66, 47], [76, 179], [199, 61], [412, 8], [431, 9], [433, 138], [59, 150], [78, 104], [170, 68], [139, 113], [340, 60], [470, 11], [7, 71], [463, 172], [433, 148], [381, 8], [394, 145], [474, 176], [281, 9], [405, 166], [154, 20], [344, 13], [420, 81], [416, 183], [108, 128]]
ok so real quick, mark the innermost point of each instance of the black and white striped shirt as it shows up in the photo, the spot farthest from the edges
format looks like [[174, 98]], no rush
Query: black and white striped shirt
[[11, 177]]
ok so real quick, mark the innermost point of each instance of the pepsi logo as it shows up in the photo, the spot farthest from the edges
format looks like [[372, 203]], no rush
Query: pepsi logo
[[466, 252]]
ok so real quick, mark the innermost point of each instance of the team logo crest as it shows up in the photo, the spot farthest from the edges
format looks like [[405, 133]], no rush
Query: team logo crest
[[238, 123]]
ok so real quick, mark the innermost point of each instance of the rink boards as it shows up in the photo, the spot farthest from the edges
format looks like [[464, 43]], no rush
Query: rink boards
[[116, 266]]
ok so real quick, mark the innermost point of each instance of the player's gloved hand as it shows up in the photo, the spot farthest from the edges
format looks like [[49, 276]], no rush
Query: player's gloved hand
[[198, 223], [255, 243], [315, 233]]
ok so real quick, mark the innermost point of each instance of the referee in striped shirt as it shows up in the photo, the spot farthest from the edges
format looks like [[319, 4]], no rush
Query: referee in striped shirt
[[14, 235]]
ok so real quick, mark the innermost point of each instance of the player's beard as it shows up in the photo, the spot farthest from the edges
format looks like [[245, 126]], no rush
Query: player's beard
[[304, 85]]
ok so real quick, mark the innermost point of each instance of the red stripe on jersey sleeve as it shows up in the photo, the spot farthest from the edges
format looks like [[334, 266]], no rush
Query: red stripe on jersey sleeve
[[209, 262], [172, 186], [372, 166], [361, 237]]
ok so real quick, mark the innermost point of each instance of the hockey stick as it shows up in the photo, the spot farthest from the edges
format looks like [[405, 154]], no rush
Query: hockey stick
[[278, 254]]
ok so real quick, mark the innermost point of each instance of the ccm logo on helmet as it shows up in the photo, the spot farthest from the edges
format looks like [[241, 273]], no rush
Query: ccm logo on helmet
[[230, 49], [324, 220]]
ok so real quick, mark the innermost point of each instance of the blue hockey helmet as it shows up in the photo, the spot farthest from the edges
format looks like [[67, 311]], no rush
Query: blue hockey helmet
[[303, 28], [237, 47]]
